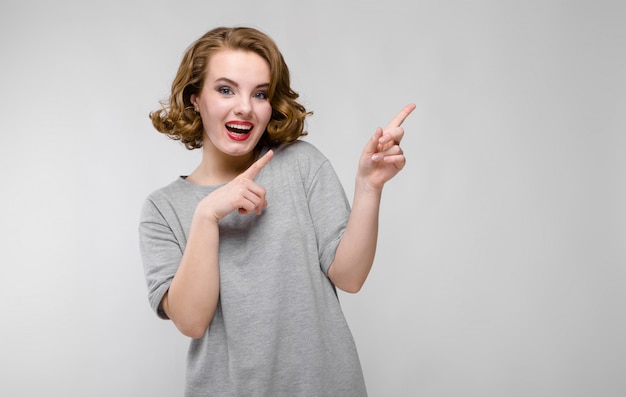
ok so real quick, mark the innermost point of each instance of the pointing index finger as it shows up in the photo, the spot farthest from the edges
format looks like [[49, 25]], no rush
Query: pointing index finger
[[258, 165], [400, 117]]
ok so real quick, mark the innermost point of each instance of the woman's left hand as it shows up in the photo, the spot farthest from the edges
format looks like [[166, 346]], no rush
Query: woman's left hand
[[382, 157]]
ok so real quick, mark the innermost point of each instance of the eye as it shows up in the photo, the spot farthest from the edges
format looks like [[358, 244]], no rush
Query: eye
[[260, 95], [225, 90]]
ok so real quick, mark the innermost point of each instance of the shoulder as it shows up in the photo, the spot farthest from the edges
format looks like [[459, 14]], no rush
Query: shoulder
[[302, 160], [170, 199], [173, 189], [301, 152]]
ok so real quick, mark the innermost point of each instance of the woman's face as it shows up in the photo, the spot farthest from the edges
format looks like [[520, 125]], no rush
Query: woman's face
[[233, 102]]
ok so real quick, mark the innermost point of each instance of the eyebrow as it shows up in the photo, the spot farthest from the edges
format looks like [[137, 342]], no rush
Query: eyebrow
[[234, 84]]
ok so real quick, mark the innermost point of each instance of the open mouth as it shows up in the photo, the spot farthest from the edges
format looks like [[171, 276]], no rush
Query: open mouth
[[239, 131]]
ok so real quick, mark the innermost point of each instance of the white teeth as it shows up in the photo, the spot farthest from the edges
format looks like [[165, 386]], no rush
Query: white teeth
[[239, 127]]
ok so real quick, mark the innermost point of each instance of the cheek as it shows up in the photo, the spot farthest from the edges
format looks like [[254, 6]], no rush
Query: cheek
[[214, 112], [266, 113]]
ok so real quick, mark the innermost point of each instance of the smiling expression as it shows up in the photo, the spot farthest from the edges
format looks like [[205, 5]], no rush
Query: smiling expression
[[233, 102]]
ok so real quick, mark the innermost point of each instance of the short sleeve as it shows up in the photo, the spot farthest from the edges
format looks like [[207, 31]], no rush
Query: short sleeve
[[161, 253], [330, 209]]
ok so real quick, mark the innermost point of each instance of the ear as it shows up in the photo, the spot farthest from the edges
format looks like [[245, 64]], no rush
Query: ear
[[194, 99]]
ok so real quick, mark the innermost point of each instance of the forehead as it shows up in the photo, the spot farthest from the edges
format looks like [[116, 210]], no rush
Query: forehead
[[242, 64]]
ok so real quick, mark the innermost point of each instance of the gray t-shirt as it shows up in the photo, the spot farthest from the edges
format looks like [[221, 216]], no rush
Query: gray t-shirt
[[278, 329]]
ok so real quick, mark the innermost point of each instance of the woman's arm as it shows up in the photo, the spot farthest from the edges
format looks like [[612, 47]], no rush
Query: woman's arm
[[381, 160], [192, 297]]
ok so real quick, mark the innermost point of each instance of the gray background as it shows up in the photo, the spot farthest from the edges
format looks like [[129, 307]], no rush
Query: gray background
[[501, 268]]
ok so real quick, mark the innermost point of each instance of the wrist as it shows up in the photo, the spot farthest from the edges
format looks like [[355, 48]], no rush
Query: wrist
[[206, 214], [364, 186]]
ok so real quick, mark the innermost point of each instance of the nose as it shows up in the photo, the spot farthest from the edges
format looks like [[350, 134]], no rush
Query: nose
[[244, 106]]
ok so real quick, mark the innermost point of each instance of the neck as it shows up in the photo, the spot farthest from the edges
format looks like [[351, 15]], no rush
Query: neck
[[217, 168]]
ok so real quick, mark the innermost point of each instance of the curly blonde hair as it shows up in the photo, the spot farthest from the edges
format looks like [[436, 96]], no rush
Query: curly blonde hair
[[177, 118]]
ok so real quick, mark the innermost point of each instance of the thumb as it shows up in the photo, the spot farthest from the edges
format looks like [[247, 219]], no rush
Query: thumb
[[372, 145]]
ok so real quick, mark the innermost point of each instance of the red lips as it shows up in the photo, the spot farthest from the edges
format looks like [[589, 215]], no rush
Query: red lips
[[239, 130]]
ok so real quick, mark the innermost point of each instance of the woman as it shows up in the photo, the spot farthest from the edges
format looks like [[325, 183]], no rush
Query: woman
[[244, 254]]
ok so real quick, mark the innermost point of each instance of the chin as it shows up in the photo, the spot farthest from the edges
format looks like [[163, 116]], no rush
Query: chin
[[240, 150]]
